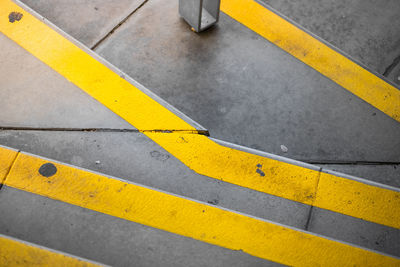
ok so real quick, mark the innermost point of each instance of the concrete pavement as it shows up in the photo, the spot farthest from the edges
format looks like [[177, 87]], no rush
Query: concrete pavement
[[212, 77], [219, 79]]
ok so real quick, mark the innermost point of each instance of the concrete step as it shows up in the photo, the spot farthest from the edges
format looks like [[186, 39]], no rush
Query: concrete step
[[176, 159], [136, 158], [36, 186]]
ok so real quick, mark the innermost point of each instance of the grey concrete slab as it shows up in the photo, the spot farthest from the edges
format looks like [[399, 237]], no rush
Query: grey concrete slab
[[86, 20], [104, 238], [247, 91], [134, 157], [367, 30], [394, 74], [34, 95], [355, 231], [385, 174]]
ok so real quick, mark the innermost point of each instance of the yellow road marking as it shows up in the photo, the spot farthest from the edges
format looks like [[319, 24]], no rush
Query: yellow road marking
[[78, 67], [366, 202], [198, 152], [316, 54], [296, 183], [237, 167], [7, 157], [186, 217], [18, 253]]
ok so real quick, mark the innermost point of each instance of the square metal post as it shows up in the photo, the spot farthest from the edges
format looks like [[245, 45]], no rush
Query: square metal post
[[200, 14]]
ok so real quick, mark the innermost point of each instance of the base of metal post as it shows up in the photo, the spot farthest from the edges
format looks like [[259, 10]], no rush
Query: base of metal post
[[200, 14]]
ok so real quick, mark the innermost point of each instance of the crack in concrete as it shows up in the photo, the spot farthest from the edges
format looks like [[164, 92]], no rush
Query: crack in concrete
[[390, 68], [200, 132], [117, 26], [9, 171], [308, 219], [306, 226], [333, 162]]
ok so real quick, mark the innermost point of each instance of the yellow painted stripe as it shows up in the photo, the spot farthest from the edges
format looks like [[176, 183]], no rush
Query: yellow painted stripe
[[362, 201], [7, 157], [237, 167], [296, 183], [86, 72], [187, 218], [316, 54], [16, 253], [196, 151]]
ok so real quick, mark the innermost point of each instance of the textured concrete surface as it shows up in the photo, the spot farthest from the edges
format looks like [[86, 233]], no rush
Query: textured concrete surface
[[34, 95], [355, 231], [367, 30], [247, 91], [385, 174], [242, 88], [134, 157], [86, 20], [104, 238], [394, 73]]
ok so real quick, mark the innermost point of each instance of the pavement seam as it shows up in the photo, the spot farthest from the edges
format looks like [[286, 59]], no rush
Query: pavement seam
[[105, 37], [201, 132], [308, 218], [9, 170], [315, 197], [391, 67], [356, 163]]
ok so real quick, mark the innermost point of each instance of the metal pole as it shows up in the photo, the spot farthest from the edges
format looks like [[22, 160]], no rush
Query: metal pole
[[199, 14]]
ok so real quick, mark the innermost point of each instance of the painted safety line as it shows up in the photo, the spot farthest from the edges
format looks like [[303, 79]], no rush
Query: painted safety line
[[185, 217], [7, 157], [316, 54], [198, 152], [15, 252]]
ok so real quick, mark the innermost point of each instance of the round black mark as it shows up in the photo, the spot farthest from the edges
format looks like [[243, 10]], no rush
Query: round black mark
[[14, 16], [47, 170]]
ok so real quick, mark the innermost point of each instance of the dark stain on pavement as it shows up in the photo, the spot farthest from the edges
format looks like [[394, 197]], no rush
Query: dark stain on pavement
[[213, 202], [15, 16], [259, 171], [159, 156]]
